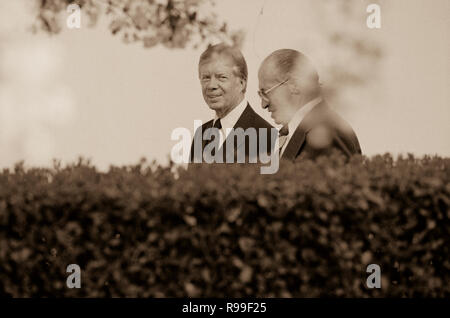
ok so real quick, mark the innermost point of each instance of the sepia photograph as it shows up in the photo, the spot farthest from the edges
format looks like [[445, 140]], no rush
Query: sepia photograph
[[224, 154]]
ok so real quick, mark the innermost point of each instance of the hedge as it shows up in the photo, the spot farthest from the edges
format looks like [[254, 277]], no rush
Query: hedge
[[227, 231]]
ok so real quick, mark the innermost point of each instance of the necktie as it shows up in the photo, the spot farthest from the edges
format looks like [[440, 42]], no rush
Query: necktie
[[218, 126], [282, 137]]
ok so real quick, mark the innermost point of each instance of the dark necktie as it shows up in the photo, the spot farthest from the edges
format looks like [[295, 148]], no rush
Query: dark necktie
[[282, 136], [218, 126]]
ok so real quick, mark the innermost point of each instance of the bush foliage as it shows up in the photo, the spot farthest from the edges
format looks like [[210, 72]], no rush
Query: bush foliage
[[226, 231]]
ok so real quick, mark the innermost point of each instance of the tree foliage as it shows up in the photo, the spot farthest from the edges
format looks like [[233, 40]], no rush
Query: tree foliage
[[172, 23], [352, 54]]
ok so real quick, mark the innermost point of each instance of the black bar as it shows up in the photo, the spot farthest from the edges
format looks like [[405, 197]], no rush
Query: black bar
[[222, 307]]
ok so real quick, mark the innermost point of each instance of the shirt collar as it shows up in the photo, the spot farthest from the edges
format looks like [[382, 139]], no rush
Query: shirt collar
[[300, 114], [232, 117]]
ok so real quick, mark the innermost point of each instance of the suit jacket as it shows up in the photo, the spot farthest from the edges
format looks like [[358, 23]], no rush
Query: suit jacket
[[248, 119], [321, 132]]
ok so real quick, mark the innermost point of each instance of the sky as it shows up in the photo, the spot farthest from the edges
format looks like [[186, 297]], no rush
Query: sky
[[84, 92]]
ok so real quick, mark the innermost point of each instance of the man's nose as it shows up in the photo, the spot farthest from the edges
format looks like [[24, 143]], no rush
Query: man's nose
[[264, 103], [212, 84]]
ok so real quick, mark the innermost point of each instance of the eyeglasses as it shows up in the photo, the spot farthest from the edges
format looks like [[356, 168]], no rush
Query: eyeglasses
[[263, 93]]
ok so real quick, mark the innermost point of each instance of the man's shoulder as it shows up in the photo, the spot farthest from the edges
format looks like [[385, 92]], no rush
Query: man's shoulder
[[250, 118], [261, 122], [326, 125], [204, 126], [324, 117]]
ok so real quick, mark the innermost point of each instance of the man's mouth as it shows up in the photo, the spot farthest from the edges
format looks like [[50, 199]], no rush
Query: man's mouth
[[214, 96]]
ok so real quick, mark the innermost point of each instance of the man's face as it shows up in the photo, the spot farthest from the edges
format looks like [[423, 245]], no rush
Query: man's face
[[221, 88], [278, 101]]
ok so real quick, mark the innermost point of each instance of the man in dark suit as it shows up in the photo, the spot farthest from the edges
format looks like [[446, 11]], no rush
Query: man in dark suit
[[290, 90], [237, 133]]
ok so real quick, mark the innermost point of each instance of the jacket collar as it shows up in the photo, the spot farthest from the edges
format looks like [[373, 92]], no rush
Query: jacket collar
[[298, 138], [245, 121]]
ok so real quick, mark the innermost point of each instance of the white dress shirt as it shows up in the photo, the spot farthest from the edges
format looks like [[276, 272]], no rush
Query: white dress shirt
[[297, 119], [230, 120]]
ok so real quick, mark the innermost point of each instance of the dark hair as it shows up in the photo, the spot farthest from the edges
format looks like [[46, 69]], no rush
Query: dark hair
[[231, 52]]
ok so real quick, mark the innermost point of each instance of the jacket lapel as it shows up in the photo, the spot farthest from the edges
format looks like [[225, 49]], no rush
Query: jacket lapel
[[244, 122], [208, 125], [298, 138], [294, 145]]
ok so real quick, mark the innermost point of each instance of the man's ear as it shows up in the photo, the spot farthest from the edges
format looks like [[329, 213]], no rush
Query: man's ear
[[243, 83], [293, 86]]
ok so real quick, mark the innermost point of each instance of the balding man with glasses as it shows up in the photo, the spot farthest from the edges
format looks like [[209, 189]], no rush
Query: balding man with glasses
[[290, 91]]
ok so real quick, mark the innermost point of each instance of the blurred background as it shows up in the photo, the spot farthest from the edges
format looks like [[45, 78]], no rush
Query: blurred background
[[115, 88]]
